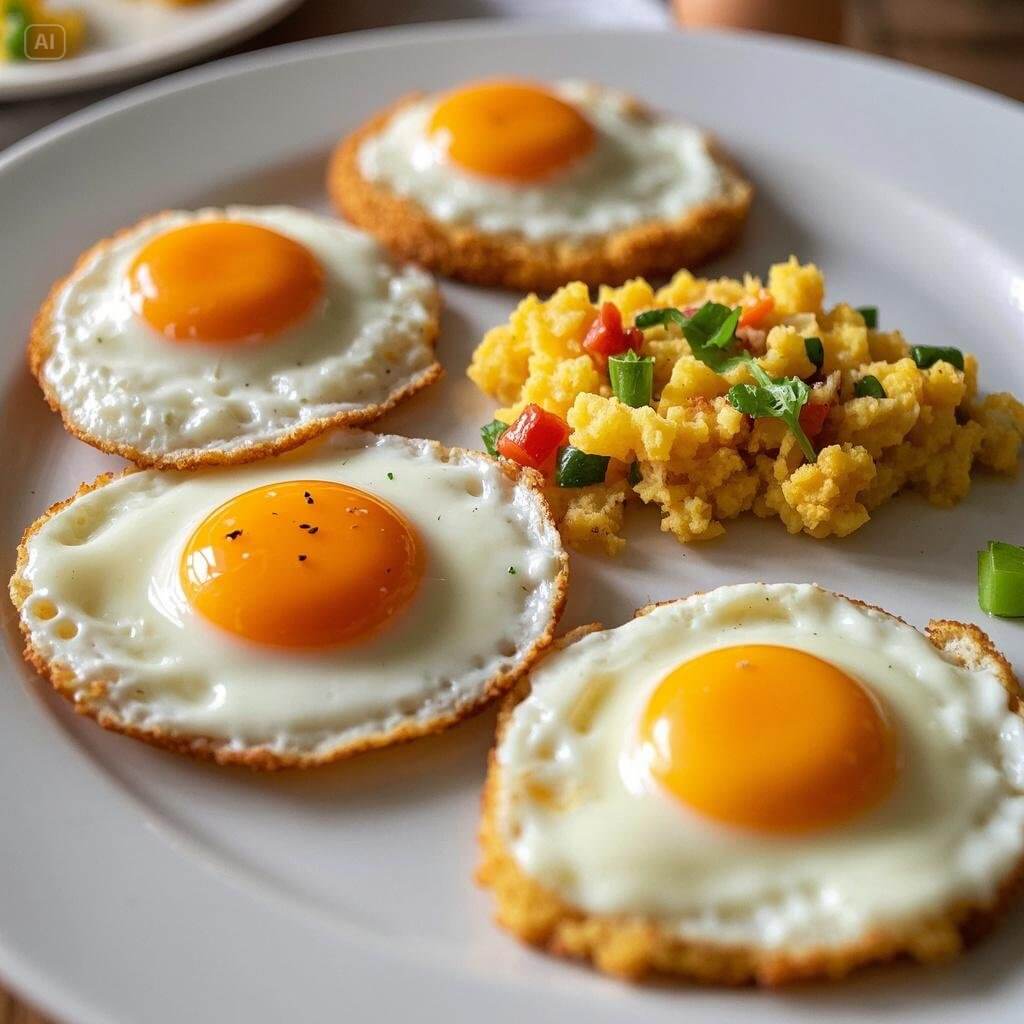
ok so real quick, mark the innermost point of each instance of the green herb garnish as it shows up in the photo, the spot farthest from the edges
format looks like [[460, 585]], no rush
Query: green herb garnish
[[709, 332], [869, 387], [870, 314], [929, 355], [1001, 579], [815, 351], [632, 378], [635, 476], [578, 468], [511, 570], [490, 434], [778, 398], [391, 476]]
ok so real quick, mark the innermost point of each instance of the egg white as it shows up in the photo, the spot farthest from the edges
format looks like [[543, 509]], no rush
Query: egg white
[[124, 385], [609, 839], [107, 605], [640, 169]]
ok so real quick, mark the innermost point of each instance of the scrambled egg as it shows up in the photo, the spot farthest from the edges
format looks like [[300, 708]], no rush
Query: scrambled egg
[[704, 462]]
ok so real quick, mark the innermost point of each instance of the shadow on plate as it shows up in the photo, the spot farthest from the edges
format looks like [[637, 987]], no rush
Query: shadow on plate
[[303, 177]]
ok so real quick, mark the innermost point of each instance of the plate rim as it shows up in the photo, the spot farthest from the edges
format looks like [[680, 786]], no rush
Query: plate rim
[[38, 987], [302, 49]]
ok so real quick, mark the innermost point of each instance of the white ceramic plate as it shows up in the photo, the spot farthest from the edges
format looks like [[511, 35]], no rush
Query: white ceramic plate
[[136, 885], [131, 38]]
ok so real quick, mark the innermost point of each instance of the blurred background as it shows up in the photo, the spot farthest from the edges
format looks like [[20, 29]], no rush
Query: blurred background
[[979, 41]]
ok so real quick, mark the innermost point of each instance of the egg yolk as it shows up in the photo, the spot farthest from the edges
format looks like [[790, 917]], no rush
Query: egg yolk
[[768, 738], [305, 563], [511, 130], [224, 281]]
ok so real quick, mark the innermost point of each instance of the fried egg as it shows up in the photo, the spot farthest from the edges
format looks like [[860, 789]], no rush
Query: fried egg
[[361, 590], [567, 161], [761, 781], [226, 335]]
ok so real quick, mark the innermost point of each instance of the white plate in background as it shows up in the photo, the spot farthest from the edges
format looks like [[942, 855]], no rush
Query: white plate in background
[[131, 38], [139, 886]]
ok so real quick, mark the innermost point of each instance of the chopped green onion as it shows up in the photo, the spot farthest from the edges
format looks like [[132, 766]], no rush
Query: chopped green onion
[[632, 378], [869, 387], [815, 351], [490, 434], [870, 314], [1007, 554], [929, 355], [578, 468], [1001, 580], [710, 332], [635, 476]]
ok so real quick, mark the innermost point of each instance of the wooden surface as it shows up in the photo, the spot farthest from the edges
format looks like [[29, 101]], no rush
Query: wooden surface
[[980, 41], [12, 1011]]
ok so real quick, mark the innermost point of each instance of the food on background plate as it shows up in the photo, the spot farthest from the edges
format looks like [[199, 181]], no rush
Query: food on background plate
[[525, 185], [762, 783], [37, 31], [360, 591], [227, 335], [40, 32], [711, 398]]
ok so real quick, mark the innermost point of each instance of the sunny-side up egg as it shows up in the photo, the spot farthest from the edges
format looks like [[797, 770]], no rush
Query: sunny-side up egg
[[226, 335], [362, 590], [565, 161], [758, 782]]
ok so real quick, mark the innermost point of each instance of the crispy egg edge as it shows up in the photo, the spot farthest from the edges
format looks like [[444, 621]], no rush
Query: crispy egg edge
[[507, 259], [39, 349], [260, 758], [634, 948]]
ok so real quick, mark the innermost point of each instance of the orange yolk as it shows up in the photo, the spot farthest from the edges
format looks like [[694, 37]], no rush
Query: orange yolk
[[511, 130], [224, 281], [302, 564], [768, 738]]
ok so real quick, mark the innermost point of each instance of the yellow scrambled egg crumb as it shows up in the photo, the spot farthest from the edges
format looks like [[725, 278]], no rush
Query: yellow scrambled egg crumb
[[704, 462]]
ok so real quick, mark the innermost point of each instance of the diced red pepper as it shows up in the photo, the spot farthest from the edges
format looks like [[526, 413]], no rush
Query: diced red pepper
[[754, 314], [607, 337], [813, 416], [534, 438]]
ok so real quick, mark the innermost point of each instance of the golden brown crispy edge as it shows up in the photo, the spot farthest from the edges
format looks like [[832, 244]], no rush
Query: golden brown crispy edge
[[652, 249], [260, 757], [635, 948], [39, 348]]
